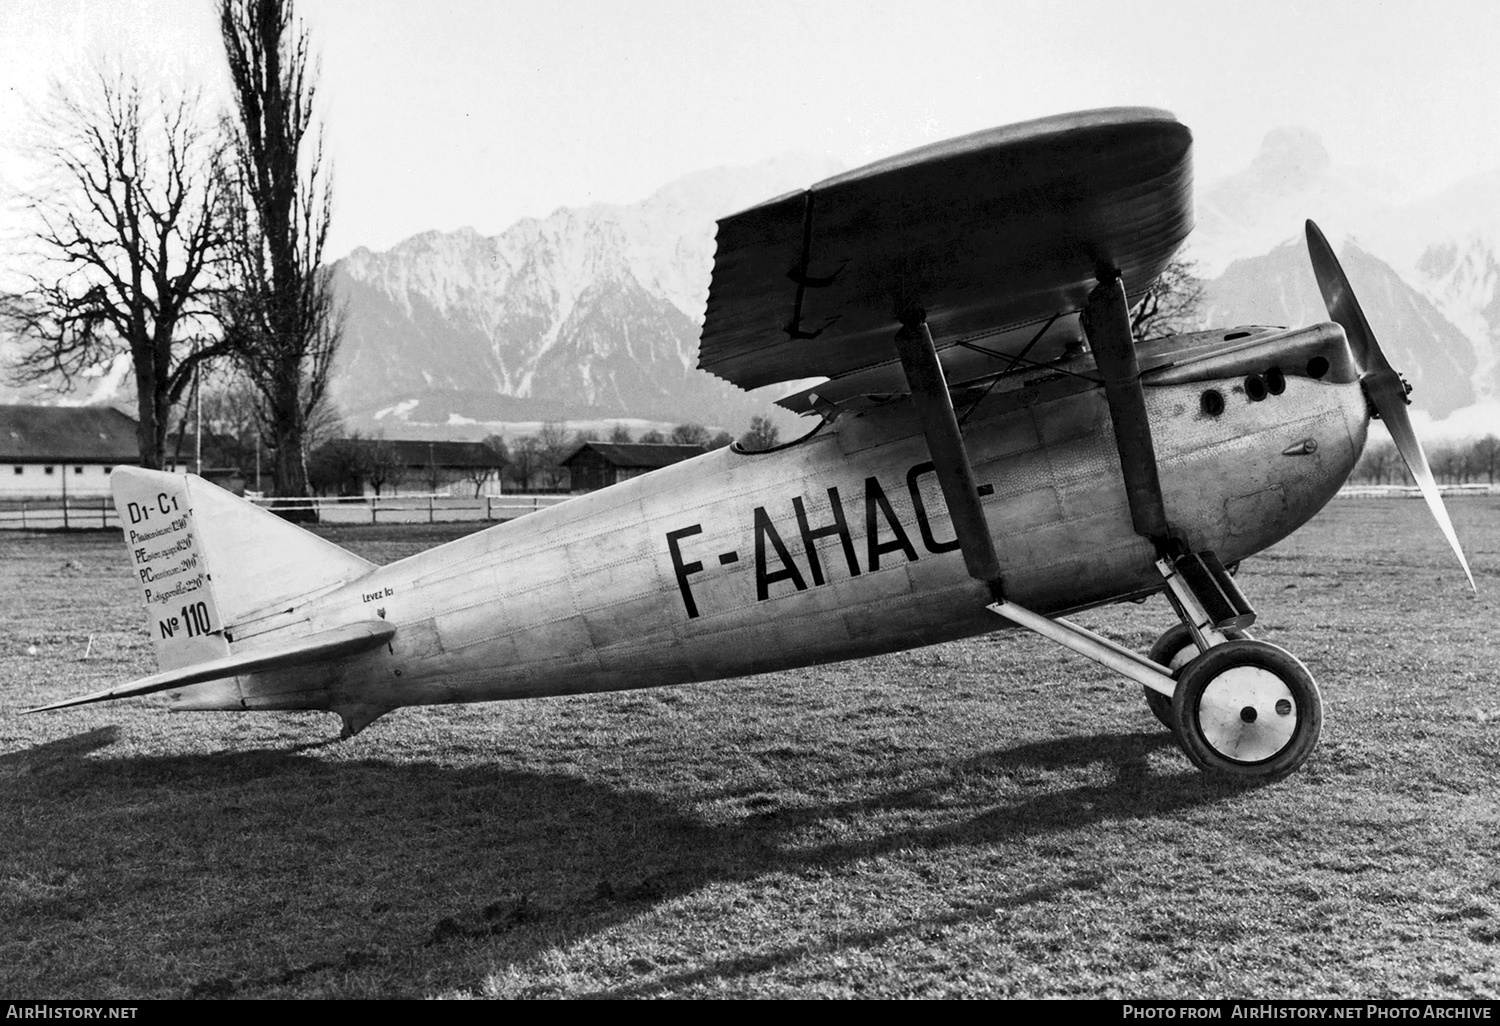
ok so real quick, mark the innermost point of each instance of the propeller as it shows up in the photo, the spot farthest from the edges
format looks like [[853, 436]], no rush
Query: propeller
[[1381, 383]]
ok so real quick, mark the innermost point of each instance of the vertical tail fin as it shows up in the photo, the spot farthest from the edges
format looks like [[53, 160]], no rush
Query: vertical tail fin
[[208, 562]]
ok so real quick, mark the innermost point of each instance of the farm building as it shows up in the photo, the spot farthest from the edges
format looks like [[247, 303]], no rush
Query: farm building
[[355, 466], [431, 465], [600, 464], [56, 452]]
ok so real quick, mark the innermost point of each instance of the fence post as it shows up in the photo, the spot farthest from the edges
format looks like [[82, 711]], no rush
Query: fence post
[[374, 508], [104, 513], [65, 511], [429, 507]]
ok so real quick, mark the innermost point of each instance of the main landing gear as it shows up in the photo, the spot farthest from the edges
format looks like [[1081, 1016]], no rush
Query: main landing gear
[[1246, 709], [1238, 707]]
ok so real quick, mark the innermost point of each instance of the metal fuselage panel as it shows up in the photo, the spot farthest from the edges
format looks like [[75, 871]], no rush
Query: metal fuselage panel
[[832, 548]]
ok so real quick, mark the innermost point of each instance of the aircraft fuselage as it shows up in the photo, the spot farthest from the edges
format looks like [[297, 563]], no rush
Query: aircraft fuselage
[[839, 545]]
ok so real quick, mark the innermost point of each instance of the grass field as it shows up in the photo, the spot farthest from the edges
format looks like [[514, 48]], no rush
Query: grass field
[[993, 817]]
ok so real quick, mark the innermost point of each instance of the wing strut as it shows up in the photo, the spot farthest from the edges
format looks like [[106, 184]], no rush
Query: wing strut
[[929, 394], [1107, 322], [1209, 599]]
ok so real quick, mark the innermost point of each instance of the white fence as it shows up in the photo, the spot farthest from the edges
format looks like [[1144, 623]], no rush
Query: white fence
[[1447, 491], [417, 509], [84, 514], [58, 514]]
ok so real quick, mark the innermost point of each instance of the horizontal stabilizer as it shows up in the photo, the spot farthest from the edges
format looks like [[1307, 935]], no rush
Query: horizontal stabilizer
[[338, 641]]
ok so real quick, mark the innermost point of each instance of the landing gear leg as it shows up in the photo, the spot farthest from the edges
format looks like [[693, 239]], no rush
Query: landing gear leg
[[1211, 610], [1241, 707]]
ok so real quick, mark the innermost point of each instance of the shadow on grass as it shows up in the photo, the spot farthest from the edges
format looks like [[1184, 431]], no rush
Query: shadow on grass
[[930, 928], [1133, 793], [263, 870], [63, 749]]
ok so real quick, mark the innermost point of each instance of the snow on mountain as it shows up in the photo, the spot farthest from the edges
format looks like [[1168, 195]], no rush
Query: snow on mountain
[[1457, 263], [588, 312], [1294, 178], [593, 313], [1445, 248], [1279, 288], [1252, 212]]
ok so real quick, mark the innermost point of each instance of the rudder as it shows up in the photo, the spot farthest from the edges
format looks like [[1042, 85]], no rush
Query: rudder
[[208, 562]]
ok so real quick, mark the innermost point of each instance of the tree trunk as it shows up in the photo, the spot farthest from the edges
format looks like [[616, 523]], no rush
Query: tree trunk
[[151, 428], [289, 465]]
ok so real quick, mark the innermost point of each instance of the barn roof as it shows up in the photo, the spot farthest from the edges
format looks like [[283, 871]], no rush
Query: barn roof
[[67, 434], [649, 455]]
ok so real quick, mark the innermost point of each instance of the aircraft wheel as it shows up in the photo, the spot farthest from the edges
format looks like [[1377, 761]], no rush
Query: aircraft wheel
[[1247, 709], [1174, 649]]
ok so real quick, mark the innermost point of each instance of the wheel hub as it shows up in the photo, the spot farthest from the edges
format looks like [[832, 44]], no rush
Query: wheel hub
[[1247, 714]]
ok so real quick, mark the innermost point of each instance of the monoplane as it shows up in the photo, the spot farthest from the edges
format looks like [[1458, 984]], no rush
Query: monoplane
[[992, 448]]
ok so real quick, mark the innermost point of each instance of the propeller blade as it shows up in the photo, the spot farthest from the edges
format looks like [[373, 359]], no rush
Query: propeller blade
[[1382, 384], [1343, 308]]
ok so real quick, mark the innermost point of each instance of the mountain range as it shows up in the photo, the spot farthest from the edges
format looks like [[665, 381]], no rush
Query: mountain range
[[592, 314], [1426, 271]]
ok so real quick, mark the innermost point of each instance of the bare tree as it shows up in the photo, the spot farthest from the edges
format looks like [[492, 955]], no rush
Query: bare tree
[[690, 434], [554, 445], [281, 317], [383, 464], [1380, 463], [339, 465], [525, 460], [1485, 457], [434, 474], [129, 233], [1451, 462], [494, 457], [230, 410], [1170, 305], [498, 459], [762, 435], [619, 434], [324, 422]]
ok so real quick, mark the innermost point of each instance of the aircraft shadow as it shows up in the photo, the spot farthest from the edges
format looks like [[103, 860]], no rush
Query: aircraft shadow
[[62, 749], [342, 866]]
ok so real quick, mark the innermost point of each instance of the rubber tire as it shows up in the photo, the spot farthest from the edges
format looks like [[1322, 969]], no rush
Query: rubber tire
[[1168, 648], [1201, 673]]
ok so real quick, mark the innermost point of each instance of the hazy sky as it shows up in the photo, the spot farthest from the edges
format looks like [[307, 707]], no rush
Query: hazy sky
[[447, 113]]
